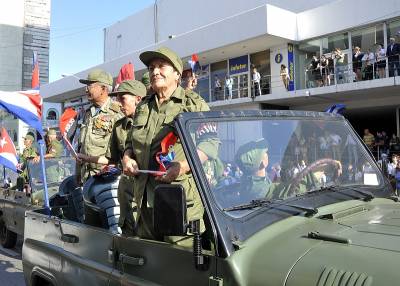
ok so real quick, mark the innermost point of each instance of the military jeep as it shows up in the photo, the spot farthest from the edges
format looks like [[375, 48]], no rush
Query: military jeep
[[290, 198], [14, 203]]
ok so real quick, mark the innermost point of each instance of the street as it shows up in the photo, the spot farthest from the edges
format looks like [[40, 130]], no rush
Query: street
[[11, 266]]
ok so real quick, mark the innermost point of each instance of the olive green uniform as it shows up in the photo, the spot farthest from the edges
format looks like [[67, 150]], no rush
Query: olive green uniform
[[114, 153], [152, 122], [213, 167], [54, 172], [27, 153], [55, 148], [95, 134]]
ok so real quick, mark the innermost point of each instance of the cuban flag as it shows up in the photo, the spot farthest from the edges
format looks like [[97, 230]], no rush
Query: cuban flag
[[194, 63], [25, 105], [8, 153], [35, 72]]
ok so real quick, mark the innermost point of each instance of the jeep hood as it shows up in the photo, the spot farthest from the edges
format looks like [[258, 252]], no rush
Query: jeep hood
[[354, 243]]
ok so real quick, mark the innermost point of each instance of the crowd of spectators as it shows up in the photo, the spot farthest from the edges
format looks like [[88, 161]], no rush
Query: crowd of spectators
[[365, 65]]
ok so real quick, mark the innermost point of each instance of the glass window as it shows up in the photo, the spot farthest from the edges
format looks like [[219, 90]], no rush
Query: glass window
[[303, 56], [261, 61], [367, 38], [330, 43], [393, 29], [276, 159], [218, 73]]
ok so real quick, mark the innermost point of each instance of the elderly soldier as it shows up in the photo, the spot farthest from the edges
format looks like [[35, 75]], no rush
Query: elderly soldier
[[129, 94], [28, 153], [153, 123], [98, 121], [54, 147]]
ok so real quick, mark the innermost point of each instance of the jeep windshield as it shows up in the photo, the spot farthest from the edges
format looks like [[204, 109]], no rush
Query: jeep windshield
[[253, 161], [56, 171]]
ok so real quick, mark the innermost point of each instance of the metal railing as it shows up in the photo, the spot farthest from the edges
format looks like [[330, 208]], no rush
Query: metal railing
[[351, 72]]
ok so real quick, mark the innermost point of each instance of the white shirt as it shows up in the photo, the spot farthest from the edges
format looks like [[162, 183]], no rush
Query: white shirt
[[229, 82], [256, 77]]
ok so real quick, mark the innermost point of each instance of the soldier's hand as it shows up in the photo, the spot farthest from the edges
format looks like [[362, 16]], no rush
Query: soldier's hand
[[129, 166], [81, 157], [172, 173], [36, 159]]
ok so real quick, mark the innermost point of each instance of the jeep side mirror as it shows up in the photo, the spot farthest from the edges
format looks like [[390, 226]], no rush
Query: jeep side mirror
[[170, 210]]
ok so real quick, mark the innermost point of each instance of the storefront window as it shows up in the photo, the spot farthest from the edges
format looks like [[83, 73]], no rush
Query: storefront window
[[218, 73], [261, 61]]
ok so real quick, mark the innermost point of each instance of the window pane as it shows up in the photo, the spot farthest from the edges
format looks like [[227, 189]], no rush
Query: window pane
[[218, 73], [261, 61], [330, 43]]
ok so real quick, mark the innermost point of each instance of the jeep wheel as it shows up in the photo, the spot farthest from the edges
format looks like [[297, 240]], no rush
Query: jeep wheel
[[8, 239]]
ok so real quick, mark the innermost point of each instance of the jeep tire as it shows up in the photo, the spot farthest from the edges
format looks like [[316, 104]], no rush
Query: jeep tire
[[8, 239]]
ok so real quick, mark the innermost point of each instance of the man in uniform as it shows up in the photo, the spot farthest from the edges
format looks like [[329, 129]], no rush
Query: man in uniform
[[129, 94], [28, 153], [146, 82], [98, 121], [153, 122], [54, 148]]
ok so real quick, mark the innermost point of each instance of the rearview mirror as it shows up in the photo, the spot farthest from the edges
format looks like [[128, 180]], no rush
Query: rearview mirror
[[170, 210]]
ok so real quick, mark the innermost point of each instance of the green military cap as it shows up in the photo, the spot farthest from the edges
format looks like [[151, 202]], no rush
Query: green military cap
[[146, 79], [29, 137], [133, 87], [250, 155], [98, 75], [51, 132], [163, 53]]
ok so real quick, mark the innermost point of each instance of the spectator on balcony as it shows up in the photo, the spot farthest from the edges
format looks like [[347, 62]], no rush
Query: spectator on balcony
[[392, 53], [380, 64], [338, 55], [229, 85], [357, 63], [369, 139], [217, 87], [368, 61], [255, 80], [315, 71], [324, 66], [285, 76]]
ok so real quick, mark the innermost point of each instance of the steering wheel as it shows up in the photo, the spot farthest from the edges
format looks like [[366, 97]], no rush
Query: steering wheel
[[315, 165]]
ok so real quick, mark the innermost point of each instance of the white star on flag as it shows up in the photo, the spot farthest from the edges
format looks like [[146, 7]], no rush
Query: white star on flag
[[3, 142]]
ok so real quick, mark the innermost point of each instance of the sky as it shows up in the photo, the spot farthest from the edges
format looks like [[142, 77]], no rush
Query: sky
[[76, 31]]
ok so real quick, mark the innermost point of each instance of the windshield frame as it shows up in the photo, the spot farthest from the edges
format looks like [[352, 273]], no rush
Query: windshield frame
[[242, 227]]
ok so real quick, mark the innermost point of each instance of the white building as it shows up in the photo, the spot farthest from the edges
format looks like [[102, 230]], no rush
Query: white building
[[230, 36]]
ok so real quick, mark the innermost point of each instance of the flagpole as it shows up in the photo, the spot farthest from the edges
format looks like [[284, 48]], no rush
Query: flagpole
[[45, 193]]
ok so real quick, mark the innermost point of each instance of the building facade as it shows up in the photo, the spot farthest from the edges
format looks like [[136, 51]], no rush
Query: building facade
[[231, 39], [24, 29]]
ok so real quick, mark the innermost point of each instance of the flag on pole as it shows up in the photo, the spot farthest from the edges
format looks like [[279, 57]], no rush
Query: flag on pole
[[126, 72], [25, 105], [8, 153], [194, 63], [35, 72], [68, 125]]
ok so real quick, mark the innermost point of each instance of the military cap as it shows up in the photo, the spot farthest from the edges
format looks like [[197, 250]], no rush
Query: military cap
[[98, 75], [133, 87], [163, 53], [29, 137], [250, 155], [146, 79], [51, 132]]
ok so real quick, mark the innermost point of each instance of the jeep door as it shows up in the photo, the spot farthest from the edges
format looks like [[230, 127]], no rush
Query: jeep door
[[146, 262]]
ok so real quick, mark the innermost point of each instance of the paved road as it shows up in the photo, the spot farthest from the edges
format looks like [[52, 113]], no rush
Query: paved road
[[11, 266]]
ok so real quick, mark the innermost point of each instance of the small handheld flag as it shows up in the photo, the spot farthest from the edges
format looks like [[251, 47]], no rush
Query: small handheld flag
[[167, 153], [194, 63], [338, 108]]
